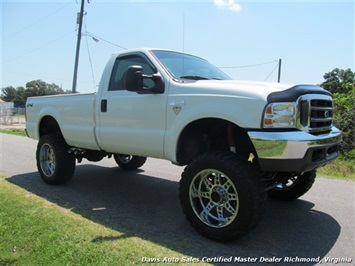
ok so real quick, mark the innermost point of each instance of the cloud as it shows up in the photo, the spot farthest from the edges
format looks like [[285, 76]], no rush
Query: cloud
[[227, 4]]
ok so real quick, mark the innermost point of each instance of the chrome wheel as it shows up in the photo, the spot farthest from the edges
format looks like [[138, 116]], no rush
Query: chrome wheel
[[288, 184], [214, 198], [47, 160], [293, 187], [124, 158], [129, 162], [222, 195]]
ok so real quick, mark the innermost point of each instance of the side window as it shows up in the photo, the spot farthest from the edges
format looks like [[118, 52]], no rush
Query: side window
[[120, 67]]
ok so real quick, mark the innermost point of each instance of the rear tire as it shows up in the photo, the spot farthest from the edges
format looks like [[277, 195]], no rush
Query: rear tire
[[294, 187], [55, 165], [222, 196], [129, 162]]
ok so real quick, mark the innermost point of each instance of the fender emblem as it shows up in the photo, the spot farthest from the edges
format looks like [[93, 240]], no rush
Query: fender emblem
[[177, 105], [177, 109]]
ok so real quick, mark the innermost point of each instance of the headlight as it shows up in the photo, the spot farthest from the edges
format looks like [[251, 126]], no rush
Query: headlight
[[280, 115]]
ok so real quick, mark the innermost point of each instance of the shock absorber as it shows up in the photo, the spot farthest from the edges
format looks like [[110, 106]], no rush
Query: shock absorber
[[231, 141]]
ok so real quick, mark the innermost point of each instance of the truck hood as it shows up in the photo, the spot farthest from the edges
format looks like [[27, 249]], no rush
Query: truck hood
[[238, 88]]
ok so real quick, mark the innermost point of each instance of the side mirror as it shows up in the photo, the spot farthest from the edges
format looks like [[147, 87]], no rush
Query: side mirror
[[133, 80]]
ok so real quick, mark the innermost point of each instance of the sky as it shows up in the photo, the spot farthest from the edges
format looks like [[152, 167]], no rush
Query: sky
[[245, 39]]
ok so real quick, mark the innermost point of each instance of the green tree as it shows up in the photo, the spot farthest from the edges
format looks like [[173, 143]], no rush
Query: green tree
[[33, 88], [342, 84], [344, 116], [339, 80], [20, 99], [8, 94], [41, 88]]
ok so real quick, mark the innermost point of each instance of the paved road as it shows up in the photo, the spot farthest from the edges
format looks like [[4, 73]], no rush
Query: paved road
[[145, 203]]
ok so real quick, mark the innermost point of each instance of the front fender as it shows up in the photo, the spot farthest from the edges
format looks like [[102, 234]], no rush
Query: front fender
[[183, 110]]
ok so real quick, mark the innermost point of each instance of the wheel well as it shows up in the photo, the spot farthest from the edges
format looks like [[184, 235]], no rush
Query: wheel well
[[48, 125], [212, 134]]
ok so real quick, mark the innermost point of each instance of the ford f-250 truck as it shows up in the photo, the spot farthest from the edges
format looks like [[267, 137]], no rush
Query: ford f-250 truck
[[240, 140]]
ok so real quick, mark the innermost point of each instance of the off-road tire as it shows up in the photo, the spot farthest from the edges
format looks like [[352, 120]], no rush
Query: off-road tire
[[55, 165], [293, 188], [129, 162], [233, 195]]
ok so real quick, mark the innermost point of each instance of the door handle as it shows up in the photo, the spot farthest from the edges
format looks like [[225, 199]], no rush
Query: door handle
[[104, 106]]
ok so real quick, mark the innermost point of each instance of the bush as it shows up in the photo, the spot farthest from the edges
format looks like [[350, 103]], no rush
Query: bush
[[344, 117], [342, 84]]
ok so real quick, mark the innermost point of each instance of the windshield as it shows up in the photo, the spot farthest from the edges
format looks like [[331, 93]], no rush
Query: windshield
[[183, 66]]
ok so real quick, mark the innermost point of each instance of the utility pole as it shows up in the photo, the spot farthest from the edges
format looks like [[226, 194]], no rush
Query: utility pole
[[80, 22], [279, 75]]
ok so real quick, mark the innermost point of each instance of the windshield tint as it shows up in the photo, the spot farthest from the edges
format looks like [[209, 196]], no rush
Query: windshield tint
[[183, 66]]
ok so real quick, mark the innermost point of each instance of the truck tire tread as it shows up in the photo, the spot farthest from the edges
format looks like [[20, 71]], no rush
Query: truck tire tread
[[64, 161]]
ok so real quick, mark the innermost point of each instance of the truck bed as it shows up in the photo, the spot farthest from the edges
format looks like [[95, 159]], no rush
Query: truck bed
[[74, 113]]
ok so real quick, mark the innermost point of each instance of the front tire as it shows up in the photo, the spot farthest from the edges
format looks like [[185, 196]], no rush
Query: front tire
[[55, 165], [294, 187], [222, 196], [129, 162]]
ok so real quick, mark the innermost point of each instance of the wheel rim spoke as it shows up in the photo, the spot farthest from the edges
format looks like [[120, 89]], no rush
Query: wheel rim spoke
[[220, 213], [230, 209], [195, 193], [206, 212], [207, 182]]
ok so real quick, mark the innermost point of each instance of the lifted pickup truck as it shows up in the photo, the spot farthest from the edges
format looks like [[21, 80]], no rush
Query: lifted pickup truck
[[240, 140]]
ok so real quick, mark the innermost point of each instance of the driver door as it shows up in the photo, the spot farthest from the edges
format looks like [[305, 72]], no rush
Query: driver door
[[132, 122]]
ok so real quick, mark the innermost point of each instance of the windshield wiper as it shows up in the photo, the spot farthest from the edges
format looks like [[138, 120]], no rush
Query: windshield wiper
[[194, 77]]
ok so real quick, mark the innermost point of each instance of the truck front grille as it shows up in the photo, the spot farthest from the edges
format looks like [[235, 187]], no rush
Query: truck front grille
[[316, 113]]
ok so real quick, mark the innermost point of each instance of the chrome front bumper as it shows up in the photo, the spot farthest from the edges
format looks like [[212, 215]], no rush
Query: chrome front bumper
[[295, 151]]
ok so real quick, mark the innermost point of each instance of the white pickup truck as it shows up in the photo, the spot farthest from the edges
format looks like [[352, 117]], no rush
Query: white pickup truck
[[240, 140]]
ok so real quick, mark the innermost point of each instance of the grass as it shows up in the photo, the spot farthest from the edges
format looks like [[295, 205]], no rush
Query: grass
[[338, 169], [34, 231], [14, 131]]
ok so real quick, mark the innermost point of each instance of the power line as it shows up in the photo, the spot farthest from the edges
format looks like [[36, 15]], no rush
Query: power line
[[260, 64], [271, 72], [87, 45], [99, 38], [36, 22], [245, 66], [35, 49]]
